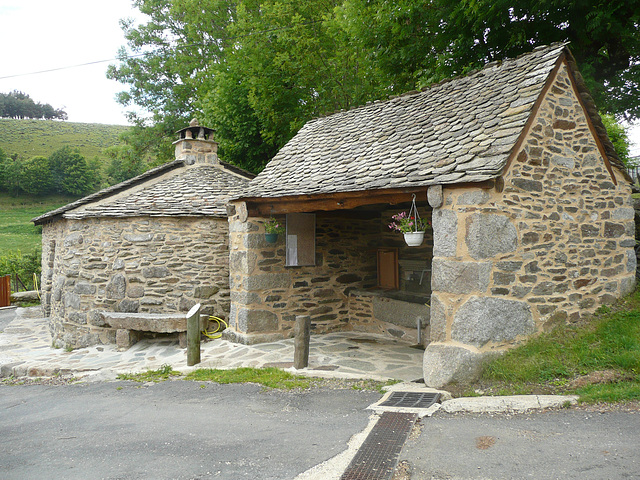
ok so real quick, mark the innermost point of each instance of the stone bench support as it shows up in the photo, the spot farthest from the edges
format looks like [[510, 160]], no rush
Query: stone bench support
[[129, 326]]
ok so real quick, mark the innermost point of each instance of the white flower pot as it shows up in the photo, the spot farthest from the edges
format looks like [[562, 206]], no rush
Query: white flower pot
[[414, 239]]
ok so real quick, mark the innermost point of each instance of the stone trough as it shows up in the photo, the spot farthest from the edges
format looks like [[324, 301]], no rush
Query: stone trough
[[130, 326], [396, 313]]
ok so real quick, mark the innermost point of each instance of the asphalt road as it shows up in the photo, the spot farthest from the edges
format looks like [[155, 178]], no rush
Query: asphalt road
[[566, 444], [172, 430], [6, 316]]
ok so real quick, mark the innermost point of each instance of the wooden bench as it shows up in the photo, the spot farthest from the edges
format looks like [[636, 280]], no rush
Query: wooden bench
[[129, 326]]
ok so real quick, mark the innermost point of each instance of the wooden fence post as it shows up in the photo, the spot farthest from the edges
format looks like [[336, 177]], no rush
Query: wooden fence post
[[5, 291], [193, 335], [302, 335]]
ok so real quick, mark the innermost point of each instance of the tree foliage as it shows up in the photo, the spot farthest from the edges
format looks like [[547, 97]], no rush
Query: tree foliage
[[17, 104], [65, 171], [10, 167], [124, 163], [256, 71], [70, 173], [618, 135], [35, 176]]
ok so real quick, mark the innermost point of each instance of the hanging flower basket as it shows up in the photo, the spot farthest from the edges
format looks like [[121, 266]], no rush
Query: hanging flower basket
[[271, 237], [414, 239], [272, 228], [410, 225]]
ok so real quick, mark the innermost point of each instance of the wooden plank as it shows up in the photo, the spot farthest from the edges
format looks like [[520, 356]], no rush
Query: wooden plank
[[262, 207], [5, 291], [388, 276]]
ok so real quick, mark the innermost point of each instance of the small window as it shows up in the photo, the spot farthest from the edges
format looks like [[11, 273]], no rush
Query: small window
[[301, 239]]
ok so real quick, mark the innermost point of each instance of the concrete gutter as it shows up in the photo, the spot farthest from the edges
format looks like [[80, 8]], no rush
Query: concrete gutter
[[507, 404], [499, 404]]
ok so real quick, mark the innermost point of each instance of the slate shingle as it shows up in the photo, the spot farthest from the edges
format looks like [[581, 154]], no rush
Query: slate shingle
[[460, 130], [203, 189]]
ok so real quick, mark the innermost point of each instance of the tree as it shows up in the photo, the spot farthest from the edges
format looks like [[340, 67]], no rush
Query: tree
[[254, 71], [35, 176], [10, 167], [257, 71], [439, 39], [237, 126], [17, 104], [124, 163], [173, 52], [70, 173], [618, 135], [294, 62]]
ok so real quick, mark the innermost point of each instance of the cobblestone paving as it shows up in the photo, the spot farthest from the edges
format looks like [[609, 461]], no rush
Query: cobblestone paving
[[25, 350]]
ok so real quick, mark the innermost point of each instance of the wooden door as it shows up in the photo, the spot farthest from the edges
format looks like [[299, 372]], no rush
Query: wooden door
[[388, 272]]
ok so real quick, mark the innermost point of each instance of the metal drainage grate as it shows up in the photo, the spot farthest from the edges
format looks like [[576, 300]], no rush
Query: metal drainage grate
[[411, 399], [378, 455]]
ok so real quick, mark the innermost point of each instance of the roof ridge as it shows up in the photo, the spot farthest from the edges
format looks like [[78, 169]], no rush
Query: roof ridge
[[237, 169]]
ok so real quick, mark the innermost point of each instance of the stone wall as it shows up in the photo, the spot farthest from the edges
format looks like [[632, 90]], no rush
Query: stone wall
[[374, 312], [266, 295], [155, 265], [554, 245]]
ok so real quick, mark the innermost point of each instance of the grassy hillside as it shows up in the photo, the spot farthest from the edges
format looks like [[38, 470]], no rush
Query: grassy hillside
[[29, 138], [597, 358], [17, 233]]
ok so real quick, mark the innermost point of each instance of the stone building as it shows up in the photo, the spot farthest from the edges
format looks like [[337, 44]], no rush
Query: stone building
[[530, 208], [154, 244]]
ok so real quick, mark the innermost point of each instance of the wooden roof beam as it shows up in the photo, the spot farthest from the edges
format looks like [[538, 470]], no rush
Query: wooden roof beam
[[260, 207]]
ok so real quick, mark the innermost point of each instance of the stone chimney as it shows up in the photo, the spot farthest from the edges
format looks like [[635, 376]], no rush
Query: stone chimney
[[195, 144]]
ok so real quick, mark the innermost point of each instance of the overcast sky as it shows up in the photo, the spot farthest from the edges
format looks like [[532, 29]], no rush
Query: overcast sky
[[40, 35]]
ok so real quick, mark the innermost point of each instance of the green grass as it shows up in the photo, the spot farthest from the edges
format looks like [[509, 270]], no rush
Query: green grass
[[17, 233], [29, 138], [163, 373], [268, 377], [599, 359]]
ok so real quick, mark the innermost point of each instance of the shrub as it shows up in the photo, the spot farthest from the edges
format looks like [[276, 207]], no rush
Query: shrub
[[23, 265]]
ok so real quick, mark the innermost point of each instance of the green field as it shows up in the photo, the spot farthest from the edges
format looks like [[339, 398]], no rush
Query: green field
[[17, 233], [30, 138]]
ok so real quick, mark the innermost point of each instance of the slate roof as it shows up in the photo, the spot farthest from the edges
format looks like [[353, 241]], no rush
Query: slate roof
[[461, 130], [202, 189]]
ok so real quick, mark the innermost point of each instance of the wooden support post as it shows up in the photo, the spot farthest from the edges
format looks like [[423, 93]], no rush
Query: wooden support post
[[5, 291], [193, 335], [302, 335]]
